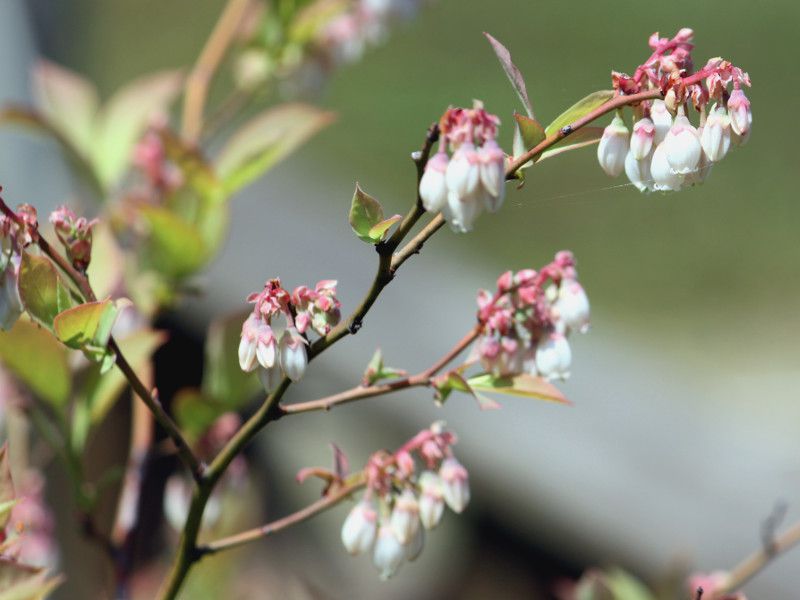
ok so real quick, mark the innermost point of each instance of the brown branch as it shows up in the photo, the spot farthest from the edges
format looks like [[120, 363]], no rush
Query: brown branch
[[206, 66]]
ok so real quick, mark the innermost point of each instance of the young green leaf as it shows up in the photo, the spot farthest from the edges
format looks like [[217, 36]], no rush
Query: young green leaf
[[86, 324], [265, 140], [174, 246], [455, 381], [38, 359], [365, 213], [195, 412], [43, 293], [512, 72], [528, 133], [376, 370], [579, 109], [377, 232], [523, 385]]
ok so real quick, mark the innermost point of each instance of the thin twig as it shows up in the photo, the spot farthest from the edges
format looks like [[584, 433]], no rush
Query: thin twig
[[755, 563], [204, 70], [324, 503]]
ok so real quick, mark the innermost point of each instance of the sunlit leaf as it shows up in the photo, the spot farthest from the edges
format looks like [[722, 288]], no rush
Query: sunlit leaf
[[86, 324], [528, 133], [512, 72], [377, 232], [68, 100], [585, 136], [523, 385], [265, 140], [365, 213], [173, 246], [125, 116], [223, 378], [41, 288], [38, 359], [39, 123], [579, 109]]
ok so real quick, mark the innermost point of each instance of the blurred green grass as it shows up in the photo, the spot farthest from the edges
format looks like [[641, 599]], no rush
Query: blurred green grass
[[722, 252]]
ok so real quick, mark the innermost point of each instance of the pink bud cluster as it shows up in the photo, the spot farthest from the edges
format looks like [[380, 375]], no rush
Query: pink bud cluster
[[528, 318], [473, 179], [402, 501], [665, 151], [75, 234], [280, 353]]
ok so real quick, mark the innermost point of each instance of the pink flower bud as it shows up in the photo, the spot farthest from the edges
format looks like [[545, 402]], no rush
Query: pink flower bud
[[455, 484], [740, 113], [432, 186], [389, 553], [572, 305], [664, 178], [405, 517], [293, 356], [644, 132], [613, 147], [662, 120], [360, 528], [638, 172], [431, 499], [553, 356], [493, 174], [682, 146], [716, 135]]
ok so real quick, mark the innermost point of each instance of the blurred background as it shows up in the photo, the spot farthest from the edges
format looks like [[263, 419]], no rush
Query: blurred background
[[684, 431]]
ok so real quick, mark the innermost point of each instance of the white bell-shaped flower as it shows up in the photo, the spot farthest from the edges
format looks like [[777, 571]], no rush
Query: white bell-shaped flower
[[662, 120], [431, 499], [553, 356], [360, 528], [716, 134], [664, 178], [644, 132], [432, 186], [455, 484], [613, 147], [638, 172], [389, 553], [405, 516]]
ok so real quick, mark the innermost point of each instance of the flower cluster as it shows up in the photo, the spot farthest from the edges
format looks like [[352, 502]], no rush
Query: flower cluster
[[75, 234], [401, 503], [527, 320], [474, 178], [665, 151], [150, 157], [284, 353]]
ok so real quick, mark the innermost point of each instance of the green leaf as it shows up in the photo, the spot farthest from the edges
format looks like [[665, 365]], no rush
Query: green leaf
[[173, 246], [68, 100], [523, 385], [376, 370], [195, 413], [7, 495], [455, 381], [626, 587], [377, 232], [38, 359], [197, 172], [265, 140], [124, 118], [223, 378], [512, 72], [103, 390], [39, 123], [585, 136], [579, 109], [365, 213], [528, 133], [43, 293], [86, 324]]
